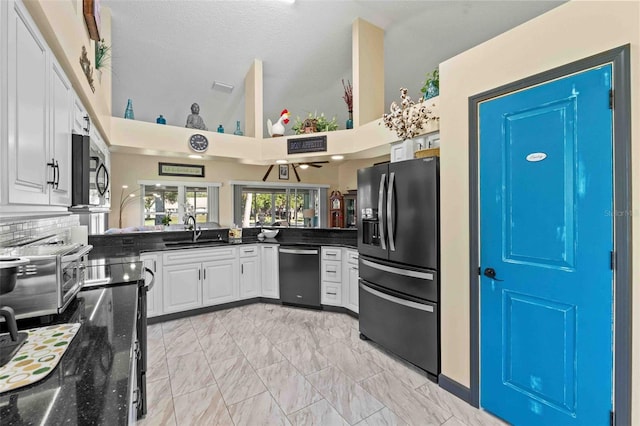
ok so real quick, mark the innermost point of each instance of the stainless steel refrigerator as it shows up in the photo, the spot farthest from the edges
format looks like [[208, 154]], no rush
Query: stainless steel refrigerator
[[399, 246]]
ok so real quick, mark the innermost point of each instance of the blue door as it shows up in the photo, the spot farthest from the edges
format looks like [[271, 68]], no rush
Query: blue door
[[546, 181]]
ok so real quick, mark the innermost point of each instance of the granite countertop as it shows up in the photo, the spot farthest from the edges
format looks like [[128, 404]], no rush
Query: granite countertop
[[90, 385], [128, 248]]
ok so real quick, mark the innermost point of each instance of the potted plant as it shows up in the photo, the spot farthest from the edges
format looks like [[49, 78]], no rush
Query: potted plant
[[103, 55], [166, 220], [314, 123], [408, 118], [431, 85]]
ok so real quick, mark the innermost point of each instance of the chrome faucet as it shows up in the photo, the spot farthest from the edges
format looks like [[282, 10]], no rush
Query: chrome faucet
[[196, 232]]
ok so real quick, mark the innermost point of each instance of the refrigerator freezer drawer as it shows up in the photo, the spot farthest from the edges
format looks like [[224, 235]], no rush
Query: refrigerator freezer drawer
[[413, 282], [404, 327]]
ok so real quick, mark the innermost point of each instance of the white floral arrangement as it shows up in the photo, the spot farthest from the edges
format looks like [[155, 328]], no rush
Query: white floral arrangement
[[409, 118]]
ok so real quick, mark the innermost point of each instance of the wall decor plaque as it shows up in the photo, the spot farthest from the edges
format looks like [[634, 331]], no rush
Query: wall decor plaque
[[175, 169], [91, 12], [311, 144]]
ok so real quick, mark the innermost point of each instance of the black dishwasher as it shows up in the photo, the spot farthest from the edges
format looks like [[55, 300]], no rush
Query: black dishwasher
[[300, 275]]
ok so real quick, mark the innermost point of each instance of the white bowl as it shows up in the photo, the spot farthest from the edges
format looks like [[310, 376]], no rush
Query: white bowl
[[270, 233]]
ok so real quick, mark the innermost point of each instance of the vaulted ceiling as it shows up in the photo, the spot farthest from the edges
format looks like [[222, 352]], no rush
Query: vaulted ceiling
[[167, 54]]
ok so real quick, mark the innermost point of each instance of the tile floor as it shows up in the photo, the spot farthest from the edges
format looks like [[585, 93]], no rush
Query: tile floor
[[264, 364]]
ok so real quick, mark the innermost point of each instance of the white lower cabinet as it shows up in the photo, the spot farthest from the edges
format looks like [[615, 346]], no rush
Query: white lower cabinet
[[219, 283], [269, 271], [153, 261], [194, 278], [331, 276], [249, 272], [339, 278], [182, 287], [249, 278], [351, 288]]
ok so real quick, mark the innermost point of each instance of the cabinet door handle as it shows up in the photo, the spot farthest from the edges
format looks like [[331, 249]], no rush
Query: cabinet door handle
[[56, 174], [204, 273], [199, 274], [242, 268], [154, 266], [52, 164]]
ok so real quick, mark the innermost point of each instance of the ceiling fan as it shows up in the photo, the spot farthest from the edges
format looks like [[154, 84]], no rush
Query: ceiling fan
[[303, 165]]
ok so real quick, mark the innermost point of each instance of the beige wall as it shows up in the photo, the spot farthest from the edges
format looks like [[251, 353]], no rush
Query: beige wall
[[63, 26], [570, 32], [128, 169]]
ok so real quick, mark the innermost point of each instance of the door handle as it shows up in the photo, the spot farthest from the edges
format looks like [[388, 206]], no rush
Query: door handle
[[381, 221], [491, 273], [390, 230]]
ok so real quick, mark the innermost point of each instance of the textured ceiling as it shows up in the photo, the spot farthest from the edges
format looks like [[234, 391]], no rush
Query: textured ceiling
[[166, 54]]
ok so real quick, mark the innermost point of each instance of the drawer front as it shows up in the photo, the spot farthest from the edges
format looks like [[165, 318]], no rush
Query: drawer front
[[331, 294], [331, 253], [352, 257], [332, 271], [248, 251], [174, 257]]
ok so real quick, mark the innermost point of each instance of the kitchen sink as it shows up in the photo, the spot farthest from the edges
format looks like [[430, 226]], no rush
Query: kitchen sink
[[197, 243]]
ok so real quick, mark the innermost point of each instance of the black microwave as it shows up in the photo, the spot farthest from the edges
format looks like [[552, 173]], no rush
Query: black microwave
[[89, 174]]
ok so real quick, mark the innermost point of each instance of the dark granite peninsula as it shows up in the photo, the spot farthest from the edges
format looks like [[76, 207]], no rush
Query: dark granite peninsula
[[128, 246], [92, 383]]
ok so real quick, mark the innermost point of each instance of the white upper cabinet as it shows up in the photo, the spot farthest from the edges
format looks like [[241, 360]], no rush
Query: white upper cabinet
[[28, 118], [38, 117], [60, 143]]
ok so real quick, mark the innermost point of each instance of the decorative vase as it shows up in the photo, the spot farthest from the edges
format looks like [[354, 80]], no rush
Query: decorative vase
[[161, 120], [128, 112], [238, 132], [350, 120], [432, 91], [220, 129]]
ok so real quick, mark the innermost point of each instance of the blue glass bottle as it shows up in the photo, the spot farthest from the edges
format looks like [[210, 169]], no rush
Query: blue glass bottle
[[432, 91], [220, 129], [128, 113], [238, 132], [161, 120], [350, 120]]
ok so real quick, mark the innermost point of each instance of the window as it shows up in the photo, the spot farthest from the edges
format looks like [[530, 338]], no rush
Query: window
[[177, 200], [257, 204]]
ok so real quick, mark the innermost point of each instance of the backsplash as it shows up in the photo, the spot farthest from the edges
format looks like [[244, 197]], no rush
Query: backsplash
[[17, 231]]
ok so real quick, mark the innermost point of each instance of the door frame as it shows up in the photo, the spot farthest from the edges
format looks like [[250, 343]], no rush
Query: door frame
[[620, 59]]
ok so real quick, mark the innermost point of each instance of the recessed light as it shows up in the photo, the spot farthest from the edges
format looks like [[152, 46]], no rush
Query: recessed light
[[304, 166], [281, 161], [337, 157], [195, 156], [158, 184], [125, 186], [224, 87]]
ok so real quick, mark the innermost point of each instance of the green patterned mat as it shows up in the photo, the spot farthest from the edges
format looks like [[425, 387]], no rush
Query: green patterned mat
[[39, 355]]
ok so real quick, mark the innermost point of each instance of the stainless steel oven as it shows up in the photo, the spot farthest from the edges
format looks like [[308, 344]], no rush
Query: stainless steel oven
[[50, 281]]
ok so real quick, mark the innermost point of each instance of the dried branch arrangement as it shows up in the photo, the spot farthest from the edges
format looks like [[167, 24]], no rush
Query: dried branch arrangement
[[408, 118], [348, 95]]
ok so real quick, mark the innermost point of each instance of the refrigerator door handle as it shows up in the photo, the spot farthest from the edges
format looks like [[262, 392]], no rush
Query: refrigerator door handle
[[383, 242], [398, 271], [397, 300], [390, 192]]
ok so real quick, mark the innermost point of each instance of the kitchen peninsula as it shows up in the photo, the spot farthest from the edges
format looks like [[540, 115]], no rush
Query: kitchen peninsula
[[216, 273]]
